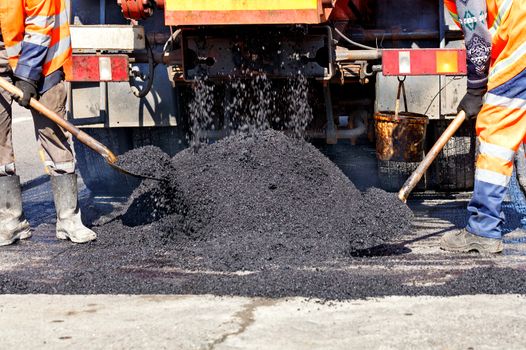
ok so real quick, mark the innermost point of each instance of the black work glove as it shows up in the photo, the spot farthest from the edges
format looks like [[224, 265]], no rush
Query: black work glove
[[472, 102], [29, 89]]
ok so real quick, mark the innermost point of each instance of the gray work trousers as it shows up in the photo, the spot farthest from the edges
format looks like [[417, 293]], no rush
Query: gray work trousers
[[55, 143]]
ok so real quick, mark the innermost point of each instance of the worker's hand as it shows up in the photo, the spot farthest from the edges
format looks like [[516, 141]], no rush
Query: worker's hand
[[29, 89], [472, 102]]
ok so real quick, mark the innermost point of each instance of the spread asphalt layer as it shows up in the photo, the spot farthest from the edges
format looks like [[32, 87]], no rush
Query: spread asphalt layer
[[133, 262], [263, 215]]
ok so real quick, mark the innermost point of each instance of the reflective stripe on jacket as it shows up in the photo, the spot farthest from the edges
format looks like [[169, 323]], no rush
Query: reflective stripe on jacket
[[36, 35]]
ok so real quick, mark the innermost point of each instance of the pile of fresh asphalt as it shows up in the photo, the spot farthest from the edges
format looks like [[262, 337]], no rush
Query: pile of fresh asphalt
[[260, 200]]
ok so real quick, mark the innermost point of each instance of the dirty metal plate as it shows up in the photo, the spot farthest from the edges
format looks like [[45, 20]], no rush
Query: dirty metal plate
[[92, 38], [421, 94], [119, 107]]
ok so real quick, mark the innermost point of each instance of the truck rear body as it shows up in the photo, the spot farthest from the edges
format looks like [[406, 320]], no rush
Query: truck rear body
[[175, 42]]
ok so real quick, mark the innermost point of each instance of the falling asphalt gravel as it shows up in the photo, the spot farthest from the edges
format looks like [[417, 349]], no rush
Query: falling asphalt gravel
[[259, 215]]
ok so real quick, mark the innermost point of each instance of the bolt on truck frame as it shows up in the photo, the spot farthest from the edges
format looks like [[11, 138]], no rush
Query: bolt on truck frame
[[134, 62]]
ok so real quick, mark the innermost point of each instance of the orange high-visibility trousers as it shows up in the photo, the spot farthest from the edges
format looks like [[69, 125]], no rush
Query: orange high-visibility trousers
[[501, 124]]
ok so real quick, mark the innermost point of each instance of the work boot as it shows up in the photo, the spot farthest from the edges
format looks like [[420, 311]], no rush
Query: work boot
[[464, 241], [69, 223], [13, 225]]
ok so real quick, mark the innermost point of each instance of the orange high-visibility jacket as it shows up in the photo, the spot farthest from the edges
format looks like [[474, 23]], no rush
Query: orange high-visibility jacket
[[506, 23], [36, 36]]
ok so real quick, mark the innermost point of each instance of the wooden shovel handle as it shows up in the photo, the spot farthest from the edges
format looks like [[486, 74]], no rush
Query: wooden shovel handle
[[415, 177], [54, 117]]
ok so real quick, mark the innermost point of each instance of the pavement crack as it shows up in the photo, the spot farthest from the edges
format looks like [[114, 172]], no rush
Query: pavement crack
[[245, 318]]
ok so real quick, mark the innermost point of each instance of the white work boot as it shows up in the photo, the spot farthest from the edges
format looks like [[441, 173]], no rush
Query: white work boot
[[13, 225], [69, 223]]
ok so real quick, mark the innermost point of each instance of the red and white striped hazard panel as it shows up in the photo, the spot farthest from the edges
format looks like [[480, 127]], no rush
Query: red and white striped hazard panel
[[424, 62], [93, 68]]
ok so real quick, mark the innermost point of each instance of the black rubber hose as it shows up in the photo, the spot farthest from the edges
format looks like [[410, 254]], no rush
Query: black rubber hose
[[141, 93]]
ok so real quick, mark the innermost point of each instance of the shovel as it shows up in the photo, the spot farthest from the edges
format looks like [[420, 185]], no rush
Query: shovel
[[86, 139], [412, 181]]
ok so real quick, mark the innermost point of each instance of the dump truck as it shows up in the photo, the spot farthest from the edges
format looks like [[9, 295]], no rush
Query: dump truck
[[135, 62]]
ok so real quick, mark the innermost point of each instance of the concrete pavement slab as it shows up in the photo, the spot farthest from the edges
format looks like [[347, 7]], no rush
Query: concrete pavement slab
[[232, 323]]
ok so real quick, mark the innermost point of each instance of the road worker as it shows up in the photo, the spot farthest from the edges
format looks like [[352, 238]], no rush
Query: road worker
[[495, 37], [34, 49]]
